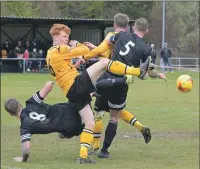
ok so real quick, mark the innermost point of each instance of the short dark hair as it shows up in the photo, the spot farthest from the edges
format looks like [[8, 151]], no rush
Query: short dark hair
[[121, 20], [141, 24], [11, 106]]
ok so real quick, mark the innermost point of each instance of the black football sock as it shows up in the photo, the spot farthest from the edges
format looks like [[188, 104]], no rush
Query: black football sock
[[109, 135]]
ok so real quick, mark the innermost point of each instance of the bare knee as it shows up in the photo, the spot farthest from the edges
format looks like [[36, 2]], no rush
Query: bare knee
[[87, 117], [89, 124], [104, 62], [114, 115]]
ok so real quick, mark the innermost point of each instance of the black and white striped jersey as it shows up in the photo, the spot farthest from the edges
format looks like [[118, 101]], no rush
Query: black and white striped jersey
[[41, 118]]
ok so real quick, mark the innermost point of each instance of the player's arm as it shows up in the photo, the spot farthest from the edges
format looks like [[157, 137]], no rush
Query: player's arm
[[39, 96], [46, 89], [25, 152], [74, 52], [89, 45], [103, 47], [154, 74], [25, 139]]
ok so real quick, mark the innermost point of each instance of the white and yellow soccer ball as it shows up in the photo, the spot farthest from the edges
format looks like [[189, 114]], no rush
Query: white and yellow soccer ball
[[184, 83]]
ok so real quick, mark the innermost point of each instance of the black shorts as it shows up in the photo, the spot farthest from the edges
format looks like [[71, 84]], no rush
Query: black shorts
[[114, 98], [75, 132], [80, 90], [101, 104]]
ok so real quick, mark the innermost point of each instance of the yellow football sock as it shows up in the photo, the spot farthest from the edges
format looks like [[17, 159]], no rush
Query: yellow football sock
[[130, 118], [86, 139], [97, 134], [120, 68]]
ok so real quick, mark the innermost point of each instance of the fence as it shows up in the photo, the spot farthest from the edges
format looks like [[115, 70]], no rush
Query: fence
[[19, 64], [183, 63]]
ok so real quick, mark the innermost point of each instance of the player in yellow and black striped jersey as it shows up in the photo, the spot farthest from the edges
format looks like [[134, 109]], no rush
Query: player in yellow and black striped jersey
[[77, 87]]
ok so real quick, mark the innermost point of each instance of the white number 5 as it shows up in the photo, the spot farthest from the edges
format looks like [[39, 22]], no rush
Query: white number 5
[[36, 116], [127, 46]]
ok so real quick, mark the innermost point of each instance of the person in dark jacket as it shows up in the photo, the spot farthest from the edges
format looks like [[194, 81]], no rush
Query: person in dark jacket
[[165, 55]]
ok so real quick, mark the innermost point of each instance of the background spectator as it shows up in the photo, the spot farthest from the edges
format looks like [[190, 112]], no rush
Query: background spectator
[[28, 46], [35, 44], [27, 61], [7, 47], [153, 53], [26, 49], [165, 55], [34, 62], [40, 62]]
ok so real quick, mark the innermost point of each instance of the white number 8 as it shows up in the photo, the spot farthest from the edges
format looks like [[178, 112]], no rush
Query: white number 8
[[36, 116], [127, 46]]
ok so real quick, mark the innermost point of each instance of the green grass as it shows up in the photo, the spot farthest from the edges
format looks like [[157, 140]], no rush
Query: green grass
[[172, 116]]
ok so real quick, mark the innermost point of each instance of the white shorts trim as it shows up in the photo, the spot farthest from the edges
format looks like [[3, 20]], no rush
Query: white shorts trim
[[116, 106]]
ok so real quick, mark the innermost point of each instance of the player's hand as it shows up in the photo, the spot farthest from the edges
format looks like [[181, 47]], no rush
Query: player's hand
[[18, 159], [79, 62], [129, 79], [162, 76], [110, 40], [73, 43], [89, 45], [49, 84]]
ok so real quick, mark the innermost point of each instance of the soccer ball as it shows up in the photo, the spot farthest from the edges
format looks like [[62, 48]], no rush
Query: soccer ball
[[184, 83]]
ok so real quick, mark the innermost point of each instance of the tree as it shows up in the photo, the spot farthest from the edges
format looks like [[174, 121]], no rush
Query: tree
[[186, 24], [181, 27], [48, 9], [94, 9], [20, 8]]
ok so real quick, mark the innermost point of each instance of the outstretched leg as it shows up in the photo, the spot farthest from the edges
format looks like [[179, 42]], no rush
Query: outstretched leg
[[116, 67]]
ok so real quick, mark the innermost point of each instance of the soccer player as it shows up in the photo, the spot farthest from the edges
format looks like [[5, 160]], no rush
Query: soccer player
[[41, 118], [77, 87], [129, 49], [38, 117], [105, 49]]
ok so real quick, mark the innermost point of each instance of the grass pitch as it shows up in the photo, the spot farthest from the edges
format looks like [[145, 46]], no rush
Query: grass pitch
[[172, 116]]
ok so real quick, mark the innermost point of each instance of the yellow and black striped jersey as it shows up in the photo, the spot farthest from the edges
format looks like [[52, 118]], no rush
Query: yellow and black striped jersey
[[59, 62]]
